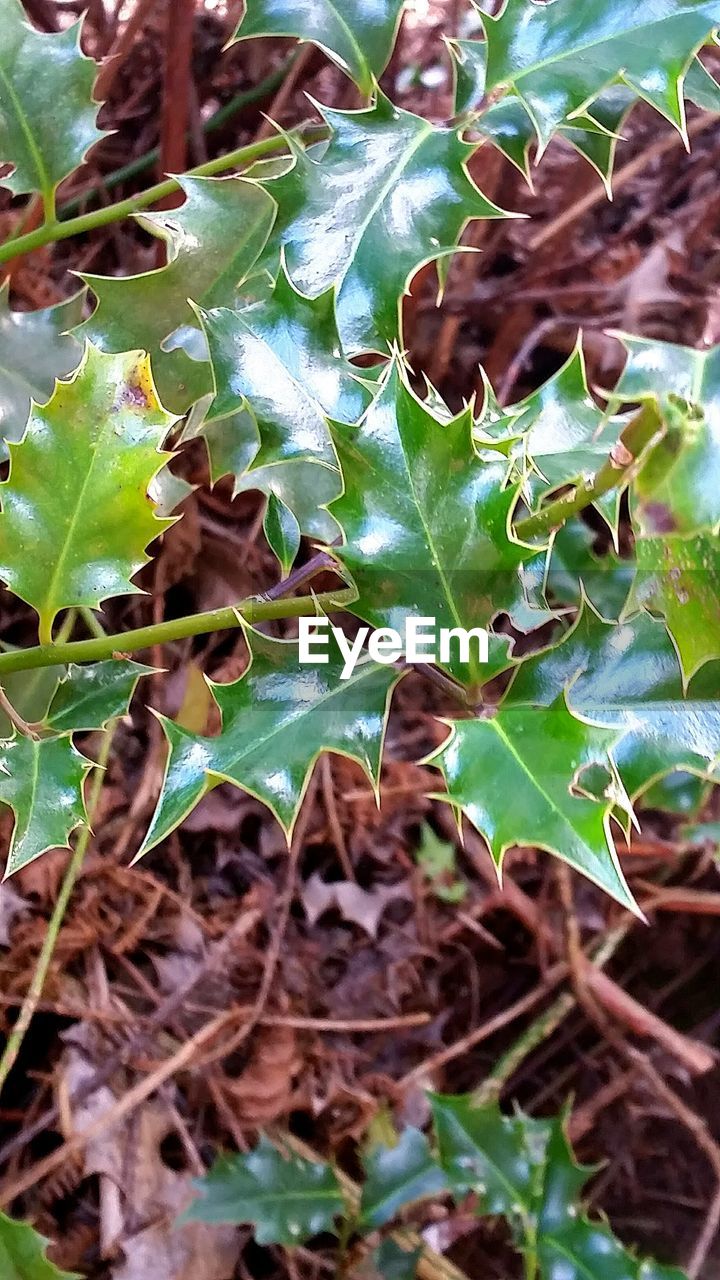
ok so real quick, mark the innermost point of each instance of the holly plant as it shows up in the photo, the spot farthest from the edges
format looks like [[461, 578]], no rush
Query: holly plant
[[513, 1167], [274, 335]]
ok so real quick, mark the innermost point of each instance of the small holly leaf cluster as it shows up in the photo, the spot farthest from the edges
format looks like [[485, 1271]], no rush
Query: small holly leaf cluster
[[574, 68], [515, 1167]]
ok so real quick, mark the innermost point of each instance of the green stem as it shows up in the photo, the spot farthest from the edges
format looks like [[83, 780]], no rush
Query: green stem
[[143, 199], [49, 208], [96, 650], [634, 440], [30, 1003], [141, 164], [94, 627]]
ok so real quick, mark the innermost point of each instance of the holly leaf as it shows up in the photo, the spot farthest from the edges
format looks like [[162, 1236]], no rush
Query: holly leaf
[[537, 756], [283, 357], [303, 485], [277, 719], [591, 126], [558, 58], [368, 238], [357, 34], [701, 88], [677, 489], [47, 112], [22, 1253], [562, 435], [35, 349], [88, 697], [213, 242], [679, 577], [509, 126], [287, 1201], [41, 780], [574, 569], [525, 1169], [628, 676], [655, 368], [397, 1176], [282, 532], [76, 514], [498, 1158], [425, 521]]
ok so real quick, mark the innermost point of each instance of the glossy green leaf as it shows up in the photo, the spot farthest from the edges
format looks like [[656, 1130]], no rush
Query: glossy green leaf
[[499, 1158], [282, 532], [559, 57], [525, 1169], [425, 521], [42, 782], [390, 193], [35, 349], [89, 696], [701, 88], [537, 756], [286, 1200], [678, 489], [304, 486], [47, 112], [357, 34], [562, 435], [628, 676], [469, 61], [76, 515], [283, 357], [22, 1253], [574, 569], [679, 578], [508, 125], [397, 1176], [679, 793], [277, 719], [213, 242], [590, 122]]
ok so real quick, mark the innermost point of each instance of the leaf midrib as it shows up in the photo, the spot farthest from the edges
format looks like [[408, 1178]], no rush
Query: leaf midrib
[[431, 542], [502, 1177], [552, 804], [45, 621], [285, 1197], [46, 186], [423, 134]]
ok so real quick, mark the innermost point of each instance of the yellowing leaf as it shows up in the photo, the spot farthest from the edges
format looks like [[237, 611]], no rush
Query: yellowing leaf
[[76, 511]]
